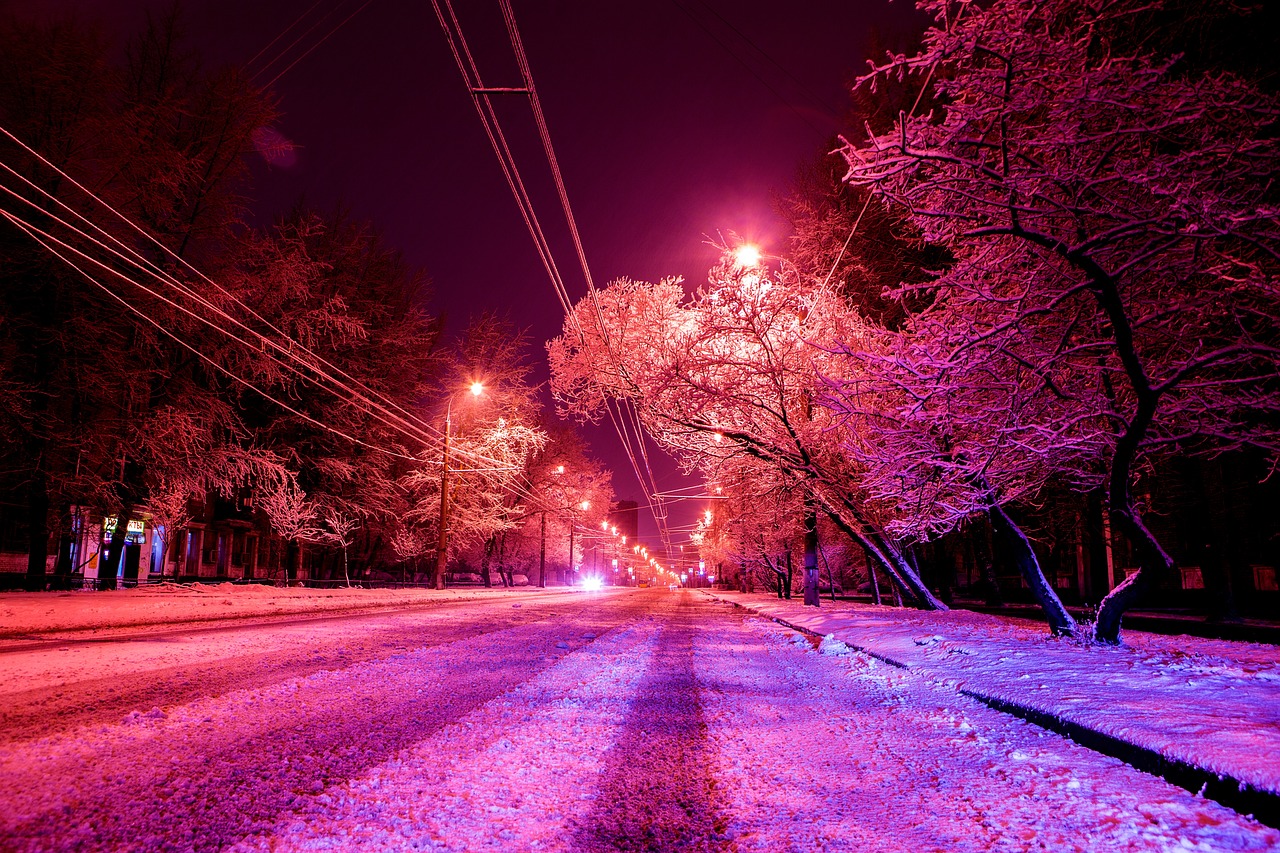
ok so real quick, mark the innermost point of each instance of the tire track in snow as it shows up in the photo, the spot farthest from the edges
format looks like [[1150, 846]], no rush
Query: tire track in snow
[[517, 773], [216, 770], [658, 792]]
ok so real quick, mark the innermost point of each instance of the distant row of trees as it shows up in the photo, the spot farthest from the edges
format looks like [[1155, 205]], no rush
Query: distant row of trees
[[156, 348], [1052, 265]]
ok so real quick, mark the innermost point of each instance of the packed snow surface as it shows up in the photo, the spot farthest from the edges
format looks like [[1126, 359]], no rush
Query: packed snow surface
[[621, 720], [1213, 704]]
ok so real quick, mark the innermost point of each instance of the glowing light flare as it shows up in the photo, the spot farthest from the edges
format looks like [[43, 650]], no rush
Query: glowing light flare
[[592, 583], [477, 388], [746, 255]]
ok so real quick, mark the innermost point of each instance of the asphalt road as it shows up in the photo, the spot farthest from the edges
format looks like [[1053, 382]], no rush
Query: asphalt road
[[626, 720]]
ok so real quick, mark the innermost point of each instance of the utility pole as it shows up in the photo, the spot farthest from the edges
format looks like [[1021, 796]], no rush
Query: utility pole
[[542, 557], [569, 571], [442, 545]]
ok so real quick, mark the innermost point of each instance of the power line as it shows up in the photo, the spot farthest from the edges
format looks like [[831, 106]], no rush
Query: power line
[[481, 95], [288, 355], [322, 40]]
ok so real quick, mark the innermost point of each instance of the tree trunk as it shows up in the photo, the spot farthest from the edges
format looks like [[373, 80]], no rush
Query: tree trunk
[[790, 573], [880, 550], [1060, 622], [107, 573], [831, 575], [871, 576], [984, 557], [484, 562], [62, 568], [292, 557], [38, 531], [811, 598], [1151, 556]]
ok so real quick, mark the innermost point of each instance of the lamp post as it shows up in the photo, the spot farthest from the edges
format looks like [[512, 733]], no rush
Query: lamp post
[[442, 546]]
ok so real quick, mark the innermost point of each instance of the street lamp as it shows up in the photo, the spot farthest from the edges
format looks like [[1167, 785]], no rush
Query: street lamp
[[442, 547], [746, 256]]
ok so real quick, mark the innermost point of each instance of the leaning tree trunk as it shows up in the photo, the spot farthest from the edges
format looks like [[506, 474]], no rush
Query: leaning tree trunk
[[1060, 622], [811, 556], [871, 576], [880, 550], [1152, 558]]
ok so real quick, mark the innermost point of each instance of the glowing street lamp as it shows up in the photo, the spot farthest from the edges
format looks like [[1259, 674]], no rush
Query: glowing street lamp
[[746, 256]]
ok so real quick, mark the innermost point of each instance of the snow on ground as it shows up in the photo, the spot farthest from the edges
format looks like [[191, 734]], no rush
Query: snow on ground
[[215, 768], [23, 613], [621, 721], [518, 773], [833, 750], [1214, 704]]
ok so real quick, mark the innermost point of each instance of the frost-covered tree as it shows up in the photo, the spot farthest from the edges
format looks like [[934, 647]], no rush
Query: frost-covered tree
[[568, 493], [1113, 202], [492, 434], [161, 141], [728, 371]]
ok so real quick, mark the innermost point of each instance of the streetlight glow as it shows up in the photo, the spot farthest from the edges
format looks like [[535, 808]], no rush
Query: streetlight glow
[[747, 255], [477, 388]]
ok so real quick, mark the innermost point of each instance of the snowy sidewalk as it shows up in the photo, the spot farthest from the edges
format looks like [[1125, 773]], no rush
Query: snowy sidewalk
[[1197, 711]]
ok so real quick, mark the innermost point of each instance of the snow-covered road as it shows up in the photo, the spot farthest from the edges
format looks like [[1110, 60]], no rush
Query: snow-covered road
[[626, 720]]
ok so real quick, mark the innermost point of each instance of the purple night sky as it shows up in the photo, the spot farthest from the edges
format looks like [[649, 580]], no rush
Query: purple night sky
[[671, 120]]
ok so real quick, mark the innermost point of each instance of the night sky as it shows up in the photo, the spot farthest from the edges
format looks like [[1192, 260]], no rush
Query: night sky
[[673, 121]]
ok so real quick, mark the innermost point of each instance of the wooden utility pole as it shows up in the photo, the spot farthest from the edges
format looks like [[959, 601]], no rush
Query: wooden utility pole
[[542, 557]]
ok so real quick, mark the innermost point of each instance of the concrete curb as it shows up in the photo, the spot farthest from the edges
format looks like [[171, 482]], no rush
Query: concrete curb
[[1263, 806]]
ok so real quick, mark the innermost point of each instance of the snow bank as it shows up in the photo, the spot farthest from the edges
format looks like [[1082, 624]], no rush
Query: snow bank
[[1211, 704], [827, 749], [24, 613]]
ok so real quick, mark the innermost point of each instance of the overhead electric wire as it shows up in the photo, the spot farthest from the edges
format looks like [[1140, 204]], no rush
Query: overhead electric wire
[[279, 36], [322, 40], [293, 348], [544, 134], [481, 100], [372, 403], [44, 239], [497, 139], [280, 54]]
